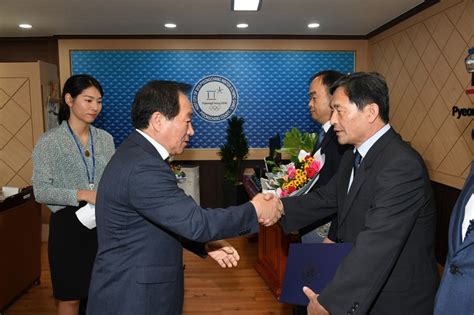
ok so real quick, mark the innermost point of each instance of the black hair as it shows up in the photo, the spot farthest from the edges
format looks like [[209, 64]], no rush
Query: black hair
[[74, 86], [328, 77], [157, 96], [363, 88]]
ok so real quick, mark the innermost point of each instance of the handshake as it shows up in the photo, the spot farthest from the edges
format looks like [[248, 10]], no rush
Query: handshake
[[269, 208]]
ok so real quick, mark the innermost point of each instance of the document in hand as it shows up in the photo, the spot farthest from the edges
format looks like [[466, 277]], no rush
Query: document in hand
[[86, 215], [311, 265]]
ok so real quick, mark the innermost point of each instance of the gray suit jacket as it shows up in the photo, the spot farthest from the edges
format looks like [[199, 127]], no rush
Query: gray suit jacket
[[143, 220], [390, 217], [455, 294]]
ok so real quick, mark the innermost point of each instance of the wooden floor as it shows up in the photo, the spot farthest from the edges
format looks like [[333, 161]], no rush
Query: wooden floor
[[209, 288]]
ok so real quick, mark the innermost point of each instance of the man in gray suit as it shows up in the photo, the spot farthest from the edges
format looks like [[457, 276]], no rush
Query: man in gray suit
[[385, 207], [144, 220]]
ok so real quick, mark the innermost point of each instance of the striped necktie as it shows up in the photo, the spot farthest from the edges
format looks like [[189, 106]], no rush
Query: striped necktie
[[321, 135], [357, 159]]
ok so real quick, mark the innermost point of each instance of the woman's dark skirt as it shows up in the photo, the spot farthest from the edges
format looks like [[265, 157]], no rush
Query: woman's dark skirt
[[71, 250]]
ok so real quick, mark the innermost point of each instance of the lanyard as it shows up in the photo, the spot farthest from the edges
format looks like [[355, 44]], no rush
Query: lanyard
[[89, 178]]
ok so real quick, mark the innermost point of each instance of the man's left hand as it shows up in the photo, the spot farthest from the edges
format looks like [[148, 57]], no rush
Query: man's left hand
[[314, 308], [222, 252]]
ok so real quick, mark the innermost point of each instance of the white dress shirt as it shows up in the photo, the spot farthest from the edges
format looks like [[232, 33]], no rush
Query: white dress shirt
[[468, 216], [365, 147], [161, 150]]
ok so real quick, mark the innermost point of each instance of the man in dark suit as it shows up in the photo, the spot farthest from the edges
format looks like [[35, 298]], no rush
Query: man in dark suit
[[455, 293], [320, 109], [144, 219], [384, 204]]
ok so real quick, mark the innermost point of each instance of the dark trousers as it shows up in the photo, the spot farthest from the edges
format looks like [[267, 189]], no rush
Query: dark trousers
[[82, 307], [299, 310]]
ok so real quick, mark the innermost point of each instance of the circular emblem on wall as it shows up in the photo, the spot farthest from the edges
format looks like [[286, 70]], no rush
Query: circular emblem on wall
[[214, 98]]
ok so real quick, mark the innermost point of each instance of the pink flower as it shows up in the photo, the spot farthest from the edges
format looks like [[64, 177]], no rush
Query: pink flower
[[291, 172], [282, 193], [313, 169], [316, 165]]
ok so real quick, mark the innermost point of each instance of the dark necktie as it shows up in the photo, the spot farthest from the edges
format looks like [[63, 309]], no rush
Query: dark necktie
[[357, 159], [321, 135], [469, 228]]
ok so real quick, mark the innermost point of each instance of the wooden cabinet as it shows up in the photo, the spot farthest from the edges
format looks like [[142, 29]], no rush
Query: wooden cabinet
[[272, 254], [20, 243]]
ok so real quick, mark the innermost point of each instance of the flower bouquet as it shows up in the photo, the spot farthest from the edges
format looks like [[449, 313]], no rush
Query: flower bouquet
[[178, 172], [294, 179], [299, 176]]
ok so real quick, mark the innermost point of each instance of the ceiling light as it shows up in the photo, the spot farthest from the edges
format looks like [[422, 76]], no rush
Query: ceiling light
[[242, 25], [246, 5], [170, 25], [25, 26], [313, 25]]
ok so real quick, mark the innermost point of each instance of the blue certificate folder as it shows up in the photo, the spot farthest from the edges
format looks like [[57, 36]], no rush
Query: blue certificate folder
[[311, 265]]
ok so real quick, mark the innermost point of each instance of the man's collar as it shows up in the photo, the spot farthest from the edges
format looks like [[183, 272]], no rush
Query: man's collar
[[365, 147], [326, 126], [161, 150]]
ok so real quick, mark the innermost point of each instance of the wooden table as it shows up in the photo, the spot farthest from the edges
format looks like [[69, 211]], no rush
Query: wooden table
[[20, 242]]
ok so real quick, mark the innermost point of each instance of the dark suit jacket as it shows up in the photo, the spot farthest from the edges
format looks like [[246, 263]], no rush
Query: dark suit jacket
[[333, 152], [142, 217], [456, 292], [390, 217]]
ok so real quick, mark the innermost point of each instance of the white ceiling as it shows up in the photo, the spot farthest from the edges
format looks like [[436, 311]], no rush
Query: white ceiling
[[196, 17]]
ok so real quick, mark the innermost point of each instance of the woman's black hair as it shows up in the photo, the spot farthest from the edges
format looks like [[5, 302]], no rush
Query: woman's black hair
[[74, 86]]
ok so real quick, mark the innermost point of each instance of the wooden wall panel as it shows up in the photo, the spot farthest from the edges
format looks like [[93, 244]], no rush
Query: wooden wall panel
[[422, 59], [24, 89], [21, 117], [15, 153]]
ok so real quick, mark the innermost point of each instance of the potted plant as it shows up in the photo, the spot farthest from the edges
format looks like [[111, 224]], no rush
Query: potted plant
[[232, 153]]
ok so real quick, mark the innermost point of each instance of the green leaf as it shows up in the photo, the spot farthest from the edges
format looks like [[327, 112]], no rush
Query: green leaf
[[235, 150], [294, 141], [308, 142]]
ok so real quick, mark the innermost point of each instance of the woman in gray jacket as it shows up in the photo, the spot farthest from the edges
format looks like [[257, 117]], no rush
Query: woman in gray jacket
[[68, 162]]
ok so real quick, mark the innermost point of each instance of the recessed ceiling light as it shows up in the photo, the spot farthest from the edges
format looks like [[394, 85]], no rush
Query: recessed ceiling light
[[242, 25], [313, 25], [25, 26], [246, 5], [170, 25]]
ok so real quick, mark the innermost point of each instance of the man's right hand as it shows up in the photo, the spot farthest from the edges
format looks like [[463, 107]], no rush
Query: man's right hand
[[269, 208], [314, 307]]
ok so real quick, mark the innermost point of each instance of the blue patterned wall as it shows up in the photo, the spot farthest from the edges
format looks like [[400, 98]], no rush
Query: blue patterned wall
[[272, 86]]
